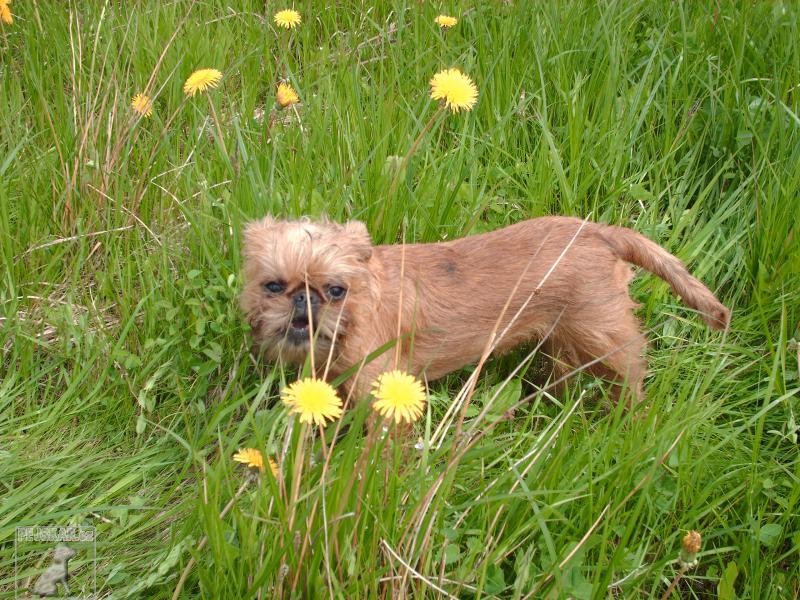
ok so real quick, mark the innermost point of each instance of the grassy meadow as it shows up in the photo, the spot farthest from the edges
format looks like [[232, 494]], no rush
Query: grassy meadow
[[126, 377]]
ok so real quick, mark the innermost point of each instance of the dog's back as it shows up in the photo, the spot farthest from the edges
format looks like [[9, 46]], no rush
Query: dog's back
[[558, 278]]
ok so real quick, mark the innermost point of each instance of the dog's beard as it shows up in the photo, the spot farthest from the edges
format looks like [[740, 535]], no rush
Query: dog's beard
[[289, 338]]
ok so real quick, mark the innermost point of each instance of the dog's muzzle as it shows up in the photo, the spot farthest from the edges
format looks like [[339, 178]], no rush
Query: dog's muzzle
[[299, 331]]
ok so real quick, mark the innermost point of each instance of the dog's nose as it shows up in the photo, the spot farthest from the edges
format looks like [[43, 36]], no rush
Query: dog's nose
[[301, 300]]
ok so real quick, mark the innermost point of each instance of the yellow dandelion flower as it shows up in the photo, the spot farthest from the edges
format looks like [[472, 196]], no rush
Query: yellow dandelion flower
[[314, 400], [445, 22], [288, 19], [201, 80], [286, 95], [456, 89], [142, 104], [5, 12], [399, 395], [254, 459]]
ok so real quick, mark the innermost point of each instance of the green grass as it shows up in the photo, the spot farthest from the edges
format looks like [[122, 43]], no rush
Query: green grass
[[126, 381]]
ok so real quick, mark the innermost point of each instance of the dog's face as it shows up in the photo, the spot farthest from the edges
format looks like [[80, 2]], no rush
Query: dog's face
[[302, 280]]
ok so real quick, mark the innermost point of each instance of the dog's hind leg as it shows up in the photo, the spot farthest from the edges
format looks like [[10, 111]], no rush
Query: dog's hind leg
[[617, 354], [606, 342]]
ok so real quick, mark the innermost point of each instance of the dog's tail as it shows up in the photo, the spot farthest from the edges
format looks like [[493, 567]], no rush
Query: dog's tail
[[637, 249]]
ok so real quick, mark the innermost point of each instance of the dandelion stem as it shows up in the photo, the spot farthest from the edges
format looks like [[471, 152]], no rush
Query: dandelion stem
[[404, 162], [678, 576], [428, 126], [400, 302], [284, 51], [270, 123], [374, 430], [219, 128], [297, 473]]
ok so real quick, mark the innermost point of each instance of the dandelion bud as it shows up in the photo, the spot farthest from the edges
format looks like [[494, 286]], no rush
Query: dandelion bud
[[690, 546]]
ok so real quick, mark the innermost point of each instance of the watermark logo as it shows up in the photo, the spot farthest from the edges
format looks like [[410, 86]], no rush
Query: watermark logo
[[55, 561]]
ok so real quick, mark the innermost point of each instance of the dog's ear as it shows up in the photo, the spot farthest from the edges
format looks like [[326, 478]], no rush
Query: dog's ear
[[358, 238]]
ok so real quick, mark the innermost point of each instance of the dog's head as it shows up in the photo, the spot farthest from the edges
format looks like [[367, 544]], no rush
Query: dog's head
[[302, 280]]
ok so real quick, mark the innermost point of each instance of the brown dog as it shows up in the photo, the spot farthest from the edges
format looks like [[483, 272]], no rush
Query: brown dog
[[324, 286]]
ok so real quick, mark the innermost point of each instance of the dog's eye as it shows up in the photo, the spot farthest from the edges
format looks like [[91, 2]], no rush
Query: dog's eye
[[336, 292], [276, 287]]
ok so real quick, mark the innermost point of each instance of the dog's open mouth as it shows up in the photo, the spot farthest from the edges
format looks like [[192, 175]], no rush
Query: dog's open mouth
[[298, 330], [300, 324]]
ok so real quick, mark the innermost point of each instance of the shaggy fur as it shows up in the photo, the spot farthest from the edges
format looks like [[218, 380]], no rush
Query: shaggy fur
[[556, 277]]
